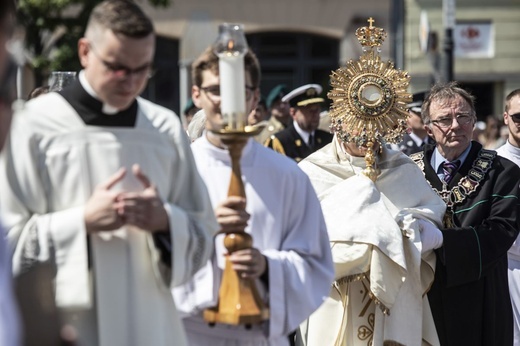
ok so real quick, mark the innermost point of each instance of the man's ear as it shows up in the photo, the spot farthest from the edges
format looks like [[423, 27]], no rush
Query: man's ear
[[429, 130], [83, 49], [506, 118], [292, 111], [195, 96]]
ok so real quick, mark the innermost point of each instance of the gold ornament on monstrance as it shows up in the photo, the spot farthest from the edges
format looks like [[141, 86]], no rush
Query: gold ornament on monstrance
[[369, 98]]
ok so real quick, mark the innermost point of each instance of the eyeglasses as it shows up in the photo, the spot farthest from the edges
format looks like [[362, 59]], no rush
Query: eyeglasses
[[122, 71], [213, 91], [447, 122], [515, 117]]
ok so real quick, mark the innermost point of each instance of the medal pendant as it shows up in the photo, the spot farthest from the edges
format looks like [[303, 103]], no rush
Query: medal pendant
[[444, 194], [448, 219]]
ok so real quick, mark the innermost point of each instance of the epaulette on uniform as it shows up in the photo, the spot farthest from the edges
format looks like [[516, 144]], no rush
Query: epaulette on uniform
[[275, 144]]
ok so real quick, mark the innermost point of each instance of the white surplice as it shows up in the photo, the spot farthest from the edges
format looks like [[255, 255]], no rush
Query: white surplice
[[381, 279], [512, 153], [51, 165], [287, 227]]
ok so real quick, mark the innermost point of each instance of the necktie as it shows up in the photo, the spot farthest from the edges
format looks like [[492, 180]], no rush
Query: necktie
[[449, 169], [311, 141]]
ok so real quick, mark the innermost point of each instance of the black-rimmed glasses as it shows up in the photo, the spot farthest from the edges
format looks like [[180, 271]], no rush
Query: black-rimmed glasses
[[122, 71]]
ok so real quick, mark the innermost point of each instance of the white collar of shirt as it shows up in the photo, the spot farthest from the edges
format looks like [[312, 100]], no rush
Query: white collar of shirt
[[438, 159], [514, 151], [107, 109], [303, 134], [222, 155]]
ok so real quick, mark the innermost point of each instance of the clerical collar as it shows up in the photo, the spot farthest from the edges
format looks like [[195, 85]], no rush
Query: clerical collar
[[106, 109], [303, 134], [90, 109], [437, 159]]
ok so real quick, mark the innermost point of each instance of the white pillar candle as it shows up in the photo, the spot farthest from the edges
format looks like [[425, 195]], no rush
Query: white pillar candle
[[232, 90]]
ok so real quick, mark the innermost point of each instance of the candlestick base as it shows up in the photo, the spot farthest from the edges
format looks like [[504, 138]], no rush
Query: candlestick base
[[239, 301]]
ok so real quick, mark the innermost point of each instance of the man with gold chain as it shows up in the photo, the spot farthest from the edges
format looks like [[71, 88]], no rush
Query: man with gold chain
[[469, 298], [381, 215]]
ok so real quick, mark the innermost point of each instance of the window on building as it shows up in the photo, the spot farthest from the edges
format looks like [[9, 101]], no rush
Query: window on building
[[294, 58]]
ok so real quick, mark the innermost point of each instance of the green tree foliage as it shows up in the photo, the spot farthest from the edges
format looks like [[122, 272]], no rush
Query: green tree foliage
[[53, 28]]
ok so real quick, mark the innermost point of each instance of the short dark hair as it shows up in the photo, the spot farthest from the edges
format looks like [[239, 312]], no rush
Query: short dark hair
[[122, 17], [445, 92], [208, 60], [509, 96]]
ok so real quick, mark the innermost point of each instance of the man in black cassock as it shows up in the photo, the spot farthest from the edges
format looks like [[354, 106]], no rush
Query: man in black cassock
[[469, 298]]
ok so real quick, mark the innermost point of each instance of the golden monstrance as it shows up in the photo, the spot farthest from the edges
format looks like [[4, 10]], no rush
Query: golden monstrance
[[369, 98]]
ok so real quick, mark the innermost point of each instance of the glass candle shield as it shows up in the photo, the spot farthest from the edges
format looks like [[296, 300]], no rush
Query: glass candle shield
[[230, 47], [60, 79]]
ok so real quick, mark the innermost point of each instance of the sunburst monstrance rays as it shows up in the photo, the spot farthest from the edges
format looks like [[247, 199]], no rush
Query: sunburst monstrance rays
[[369, 100]]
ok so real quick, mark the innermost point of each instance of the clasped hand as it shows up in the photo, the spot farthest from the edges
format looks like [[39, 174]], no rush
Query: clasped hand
[[107, 210], [232, 217]]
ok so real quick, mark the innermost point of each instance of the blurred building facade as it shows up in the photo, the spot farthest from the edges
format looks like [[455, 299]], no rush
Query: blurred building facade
[[487, 49], [297, 41], [301, 41]]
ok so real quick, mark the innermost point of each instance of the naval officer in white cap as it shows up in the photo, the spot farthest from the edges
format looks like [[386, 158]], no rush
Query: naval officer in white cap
[[302, 137]]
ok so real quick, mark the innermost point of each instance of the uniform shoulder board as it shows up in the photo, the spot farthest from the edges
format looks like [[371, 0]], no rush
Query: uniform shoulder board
[[268, 141], [275, 144]]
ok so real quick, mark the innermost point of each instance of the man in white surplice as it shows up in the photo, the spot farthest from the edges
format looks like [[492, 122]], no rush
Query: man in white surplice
[[290, 258], [103, 184], [383, 269]]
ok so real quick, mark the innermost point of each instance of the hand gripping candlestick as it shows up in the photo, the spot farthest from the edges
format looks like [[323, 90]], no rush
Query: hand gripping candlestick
[[369, 98], [239, 301]]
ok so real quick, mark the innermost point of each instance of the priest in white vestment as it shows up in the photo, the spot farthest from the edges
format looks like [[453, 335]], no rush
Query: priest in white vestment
[[381, 214], [375, 231], [290, 260], [103, 185]]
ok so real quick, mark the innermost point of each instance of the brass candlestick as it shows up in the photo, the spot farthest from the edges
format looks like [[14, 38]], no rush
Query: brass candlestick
[[239, 301]]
